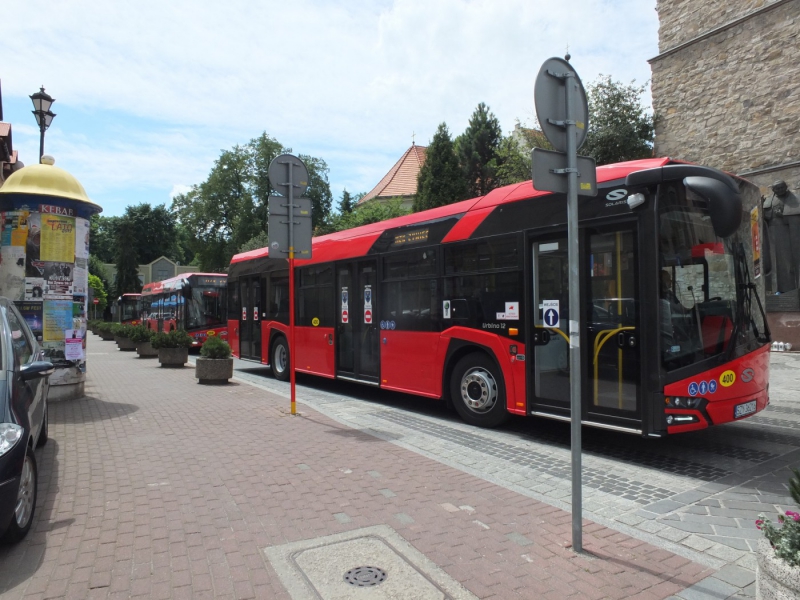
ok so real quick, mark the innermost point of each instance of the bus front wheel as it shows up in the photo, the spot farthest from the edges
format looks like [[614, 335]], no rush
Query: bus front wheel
[[477, 391], [280, 359]]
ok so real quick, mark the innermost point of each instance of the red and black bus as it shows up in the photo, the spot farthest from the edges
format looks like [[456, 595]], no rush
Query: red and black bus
[[194, 302], [129, 309], [469, 303]]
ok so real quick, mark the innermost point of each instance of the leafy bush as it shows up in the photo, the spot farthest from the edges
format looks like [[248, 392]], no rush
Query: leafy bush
[[215, 347], [140, 333], [174, 339], [786, 538], [104, 327], [123, 331]]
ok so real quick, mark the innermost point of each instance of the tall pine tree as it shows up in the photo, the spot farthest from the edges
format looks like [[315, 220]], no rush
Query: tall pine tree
[[477, 151], [440, 179], [346, 203]]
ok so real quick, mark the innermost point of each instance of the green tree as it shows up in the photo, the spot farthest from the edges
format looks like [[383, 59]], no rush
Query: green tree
[[514, 154], [154, 232], [230, 207], [126, 260], [477, 151], [98, 293], [369, 212], [620, 127], [103, 237], [260, 240], [440, 180], [96, 268], [346, 203]]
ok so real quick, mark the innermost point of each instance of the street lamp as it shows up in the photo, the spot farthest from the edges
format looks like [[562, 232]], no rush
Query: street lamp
[[44, 116]]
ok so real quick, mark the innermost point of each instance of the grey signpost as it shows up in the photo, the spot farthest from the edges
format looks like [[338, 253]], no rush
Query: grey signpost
[[289, 229], [563, 114]]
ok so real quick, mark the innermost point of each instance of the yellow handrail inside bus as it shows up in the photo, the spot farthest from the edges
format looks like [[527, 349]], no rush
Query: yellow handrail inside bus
[[605, 334]]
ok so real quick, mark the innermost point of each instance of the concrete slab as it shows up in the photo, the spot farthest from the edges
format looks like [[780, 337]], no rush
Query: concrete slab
[[315, 568]]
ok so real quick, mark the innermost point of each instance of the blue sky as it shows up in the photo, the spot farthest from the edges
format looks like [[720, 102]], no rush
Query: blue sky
[[149, 93]]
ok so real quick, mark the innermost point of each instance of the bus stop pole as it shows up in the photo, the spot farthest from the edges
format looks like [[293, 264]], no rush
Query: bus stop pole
[[291, 292], [574, 315]]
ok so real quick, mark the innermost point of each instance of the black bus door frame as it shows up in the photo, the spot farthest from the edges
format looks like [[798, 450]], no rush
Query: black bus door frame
[[357, 345]]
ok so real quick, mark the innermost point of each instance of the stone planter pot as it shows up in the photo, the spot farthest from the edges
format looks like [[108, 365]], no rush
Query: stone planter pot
[[146, 350], [108, 337], [173, 357], [125, 344], [775, 578], [213, 370]]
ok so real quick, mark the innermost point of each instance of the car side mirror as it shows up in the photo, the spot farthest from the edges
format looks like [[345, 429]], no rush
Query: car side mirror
[[36, 369]]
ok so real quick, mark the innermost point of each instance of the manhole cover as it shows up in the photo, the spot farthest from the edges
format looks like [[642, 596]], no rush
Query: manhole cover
[[365, 576]]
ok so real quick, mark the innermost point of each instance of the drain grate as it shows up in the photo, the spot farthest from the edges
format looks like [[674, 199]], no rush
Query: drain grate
[[365, 576]]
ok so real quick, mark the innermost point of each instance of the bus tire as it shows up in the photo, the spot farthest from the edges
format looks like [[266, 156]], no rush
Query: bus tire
[[279, 359], [477, 391]]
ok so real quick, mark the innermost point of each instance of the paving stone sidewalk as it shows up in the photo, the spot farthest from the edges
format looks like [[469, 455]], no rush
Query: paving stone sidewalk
[[156, 487]]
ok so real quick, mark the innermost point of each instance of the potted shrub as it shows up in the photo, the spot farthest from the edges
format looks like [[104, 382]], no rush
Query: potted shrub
[[142, 336], [104, 330], [778, 553], [173, 348], [215, 364], [122, 335]]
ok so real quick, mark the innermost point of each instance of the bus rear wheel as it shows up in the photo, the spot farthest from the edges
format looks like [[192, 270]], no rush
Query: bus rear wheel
[[280, 359], [477, 391]]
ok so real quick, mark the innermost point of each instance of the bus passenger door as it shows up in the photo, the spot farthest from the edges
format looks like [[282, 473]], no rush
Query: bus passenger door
[[250, 318], [357, 332], [613, 330], [550, 368]]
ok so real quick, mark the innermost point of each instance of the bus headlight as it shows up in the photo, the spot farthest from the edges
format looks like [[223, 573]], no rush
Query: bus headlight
[[682, 402]]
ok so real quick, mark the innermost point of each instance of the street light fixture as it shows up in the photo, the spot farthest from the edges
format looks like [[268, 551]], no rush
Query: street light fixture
[[42, 102]]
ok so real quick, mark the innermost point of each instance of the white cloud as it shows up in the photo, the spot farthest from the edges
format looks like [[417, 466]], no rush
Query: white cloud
[[348, 82]]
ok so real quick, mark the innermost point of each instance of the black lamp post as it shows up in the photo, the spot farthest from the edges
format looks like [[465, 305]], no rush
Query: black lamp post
[[44, 116]]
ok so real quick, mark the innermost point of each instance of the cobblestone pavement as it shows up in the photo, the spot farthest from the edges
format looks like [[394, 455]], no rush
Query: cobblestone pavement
[[153, 486], [697, 495]]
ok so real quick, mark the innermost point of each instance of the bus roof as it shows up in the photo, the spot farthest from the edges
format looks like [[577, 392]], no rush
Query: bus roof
[[174, 283], [472, 212]]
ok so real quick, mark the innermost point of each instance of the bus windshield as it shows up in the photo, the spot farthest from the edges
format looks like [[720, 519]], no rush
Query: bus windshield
[[703, 309], [129, 309], [205, 307]]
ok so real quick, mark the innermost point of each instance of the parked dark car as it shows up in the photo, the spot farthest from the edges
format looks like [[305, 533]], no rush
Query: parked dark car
[[24, 383]]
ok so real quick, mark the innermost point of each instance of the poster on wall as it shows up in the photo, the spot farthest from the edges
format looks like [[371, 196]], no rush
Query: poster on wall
[[58, 239], [56, 319], [58, 278], [34, 288], [32, 313], [81, 238], [74, 344], [34, 267], [13, 272]]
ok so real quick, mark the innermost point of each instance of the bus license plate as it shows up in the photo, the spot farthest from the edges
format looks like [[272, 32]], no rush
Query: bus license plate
[[741, 410]]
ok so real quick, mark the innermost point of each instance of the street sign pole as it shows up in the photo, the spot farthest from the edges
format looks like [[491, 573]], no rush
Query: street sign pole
[[563, 114], [574, 314], [291, 291]]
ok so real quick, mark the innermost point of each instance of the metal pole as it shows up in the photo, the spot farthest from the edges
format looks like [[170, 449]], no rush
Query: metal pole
[[291, 291], [574, 315], [41, 136]]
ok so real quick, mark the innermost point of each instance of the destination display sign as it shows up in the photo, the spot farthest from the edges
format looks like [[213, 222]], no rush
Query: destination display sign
[[410, 237]]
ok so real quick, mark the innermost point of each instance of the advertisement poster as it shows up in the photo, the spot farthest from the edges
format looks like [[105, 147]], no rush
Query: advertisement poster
[[82, 238], [34, 288], [58, 278], [73, 344], [58, 239], [80, 280], [15, 228], [56, 319], [756, 243], [13, 272], [32, 313], [34, 267]]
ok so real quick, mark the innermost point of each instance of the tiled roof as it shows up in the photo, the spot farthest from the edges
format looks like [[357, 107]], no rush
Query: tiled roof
[[401, 180]]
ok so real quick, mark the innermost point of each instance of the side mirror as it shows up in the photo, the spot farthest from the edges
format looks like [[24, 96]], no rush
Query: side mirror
[[36, 369], [724, 205]]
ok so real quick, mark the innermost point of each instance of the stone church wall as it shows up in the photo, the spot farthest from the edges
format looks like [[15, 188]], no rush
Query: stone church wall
[[731, 100]]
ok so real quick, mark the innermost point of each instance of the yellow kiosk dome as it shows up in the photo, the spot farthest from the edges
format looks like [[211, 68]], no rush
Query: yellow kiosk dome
[[46, 179]]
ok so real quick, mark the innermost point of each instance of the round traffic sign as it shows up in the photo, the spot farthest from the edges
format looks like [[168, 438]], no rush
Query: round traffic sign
[[279, 174], [550, 98], [96, 301]]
